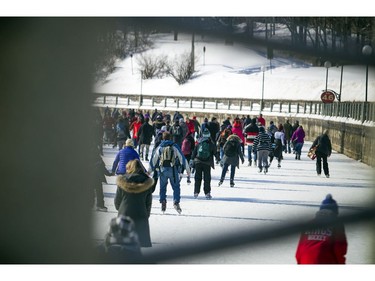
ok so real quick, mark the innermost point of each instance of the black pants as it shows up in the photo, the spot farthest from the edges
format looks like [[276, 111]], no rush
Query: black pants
[[202, 171], [319, 158], [99, 194]]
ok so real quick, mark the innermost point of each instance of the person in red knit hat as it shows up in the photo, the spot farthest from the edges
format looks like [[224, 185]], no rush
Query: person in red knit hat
[[326, 244]]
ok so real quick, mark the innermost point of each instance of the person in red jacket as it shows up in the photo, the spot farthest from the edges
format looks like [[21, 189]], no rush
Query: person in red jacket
[[326, 244]]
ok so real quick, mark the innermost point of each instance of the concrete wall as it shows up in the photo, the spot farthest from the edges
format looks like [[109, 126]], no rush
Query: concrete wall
[[353, 140]]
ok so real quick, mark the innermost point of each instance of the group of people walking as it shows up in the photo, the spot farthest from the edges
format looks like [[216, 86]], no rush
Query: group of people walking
[[185, 146]]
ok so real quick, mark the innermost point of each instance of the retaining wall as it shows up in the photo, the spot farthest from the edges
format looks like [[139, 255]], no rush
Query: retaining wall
[[356, 141]]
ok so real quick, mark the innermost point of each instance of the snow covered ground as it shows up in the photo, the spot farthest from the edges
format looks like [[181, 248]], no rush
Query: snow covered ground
[[235, 70], [256, 202]]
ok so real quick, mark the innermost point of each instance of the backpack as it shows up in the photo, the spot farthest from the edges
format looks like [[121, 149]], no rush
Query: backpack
[[186, 146], [167, 158], [176, 131], [230, 148], [121, 134], [203, 151]]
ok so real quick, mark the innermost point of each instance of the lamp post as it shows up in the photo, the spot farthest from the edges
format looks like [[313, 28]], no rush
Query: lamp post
[[263, 69], [342, 72], [367, 51], [131, 61], [204, 52], [140, 97], [327, 65]]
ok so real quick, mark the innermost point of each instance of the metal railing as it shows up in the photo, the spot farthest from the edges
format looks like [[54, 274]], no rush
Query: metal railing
[[358, 111]]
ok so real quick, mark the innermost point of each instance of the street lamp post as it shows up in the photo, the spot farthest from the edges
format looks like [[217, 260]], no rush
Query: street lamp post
[[367, 51], [263, 69], [327, 65], [140, 97], [131, 61], [204, 53], [342, 72]]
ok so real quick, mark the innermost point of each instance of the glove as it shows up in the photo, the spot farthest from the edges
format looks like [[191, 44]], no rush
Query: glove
[[243, 161], [191, 164]]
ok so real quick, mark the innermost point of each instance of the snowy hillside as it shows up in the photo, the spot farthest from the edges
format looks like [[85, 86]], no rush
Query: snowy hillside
[[235, 70]]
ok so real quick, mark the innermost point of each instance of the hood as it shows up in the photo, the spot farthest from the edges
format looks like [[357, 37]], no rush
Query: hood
[[127, 184], [234, 137], [166, 143]]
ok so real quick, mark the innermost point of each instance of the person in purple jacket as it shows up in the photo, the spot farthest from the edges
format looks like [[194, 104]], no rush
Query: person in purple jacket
[[123, 157], [298, 139]]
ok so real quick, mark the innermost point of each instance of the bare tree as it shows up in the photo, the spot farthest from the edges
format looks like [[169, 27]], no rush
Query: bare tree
[[153, 67], [181, 69]]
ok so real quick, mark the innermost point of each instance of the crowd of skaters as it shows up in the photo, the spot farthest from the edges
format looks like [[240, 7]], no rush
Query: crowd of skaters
[[143, 128], [196, 147], [259, 141]]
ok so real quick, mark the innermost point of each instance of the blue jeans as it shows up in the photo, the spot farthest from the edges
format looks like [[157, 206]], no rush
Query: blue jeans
[[249, 152], [171, 174], [298, 148], [224, 171]]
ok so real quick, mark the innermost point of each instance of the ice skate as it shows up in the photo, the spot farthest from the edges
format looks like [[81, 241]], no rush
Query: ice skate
[[163, 206], [177, 207]]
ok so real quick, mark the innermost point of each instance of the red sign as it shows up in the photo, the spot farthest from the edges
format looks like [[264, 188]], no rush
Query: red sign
[[327, 97]]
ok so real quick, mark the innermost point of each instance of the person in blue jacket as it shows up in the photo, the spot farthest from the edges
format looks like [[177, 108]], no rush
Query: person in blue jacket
[[169, 169], [123, 157]]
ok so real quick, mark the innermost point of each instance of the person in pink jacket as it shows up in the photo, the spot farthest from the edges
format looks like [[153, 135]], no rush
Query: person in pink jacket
[[326, 244], [238, 130]]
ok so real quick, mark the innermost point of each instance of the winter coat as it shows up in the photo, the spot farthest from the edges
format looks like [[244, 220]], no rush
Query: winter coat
[[325, 146], [197, 126], [288, 130], [298, 135], [204, 126], [184, 127], [157, 126], [180, 162], [223, 136], [100, 171], [323, 245], [250, 132], [134, 199], [122, 129], [262, 121], [122, 158], [189, 137], [279, 140], [177, 134], [237, 129], [190, 126], [145, 133], [212, 147], [214, 128], [262, 142], [135, 128], [234, 160]]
